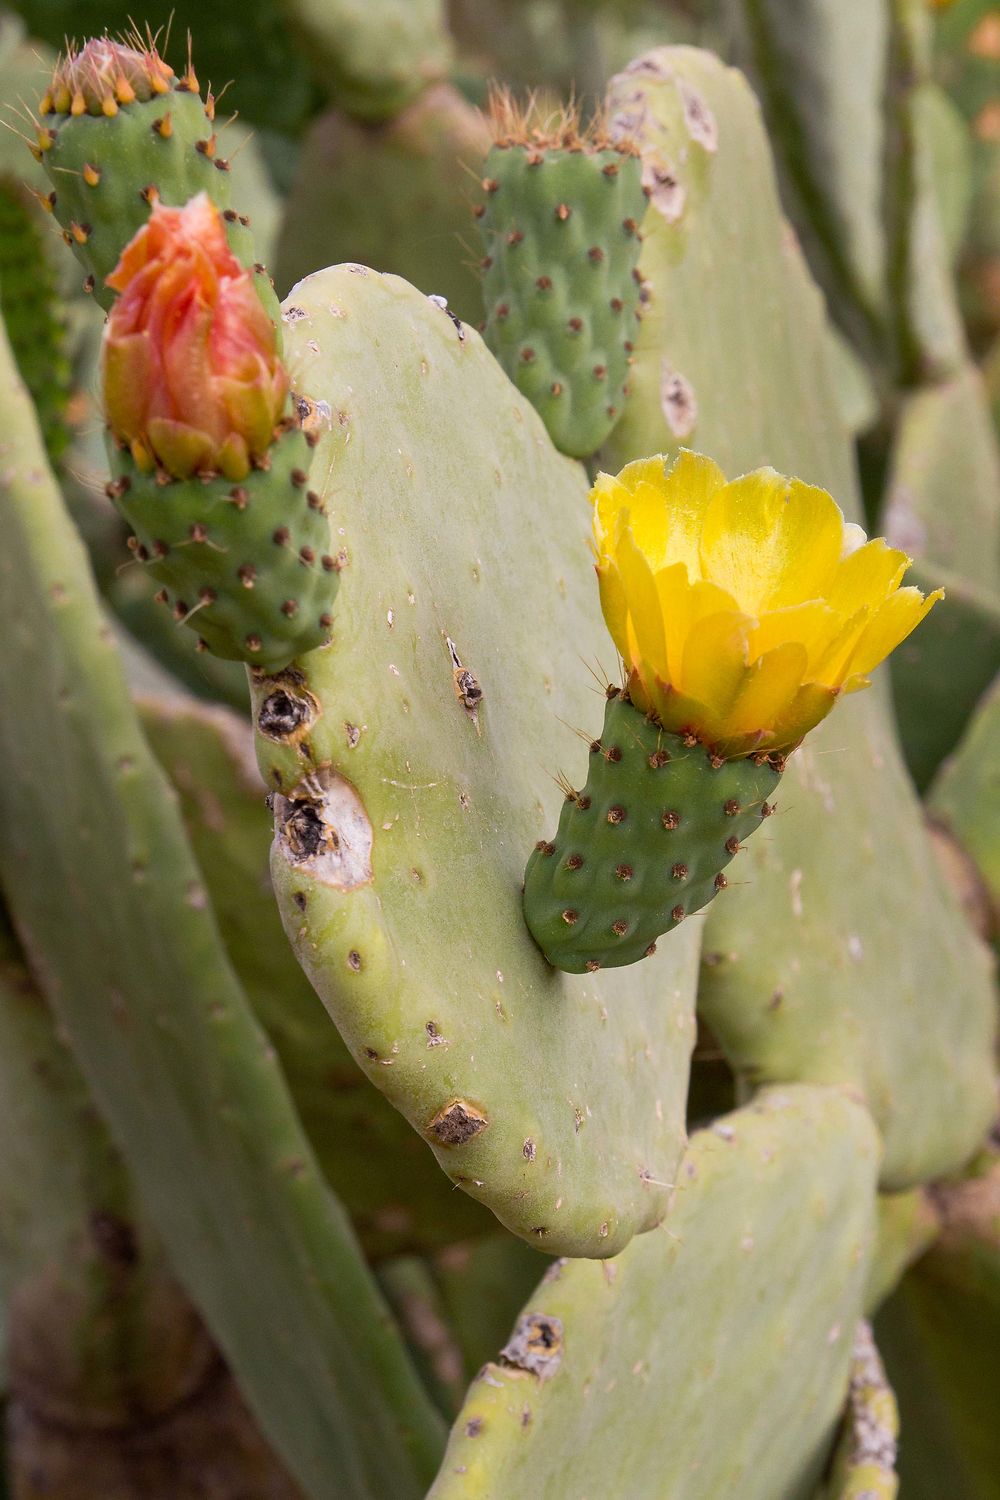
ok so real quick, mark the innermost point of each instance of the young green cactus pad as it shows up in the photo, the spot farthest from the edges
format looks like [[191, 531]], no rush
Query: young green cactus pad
[[638, 1377], [560, 230], [33, 311], [741, 611], [411, 765], [829, 957], [643, 845], [211, 476], [119, 132]]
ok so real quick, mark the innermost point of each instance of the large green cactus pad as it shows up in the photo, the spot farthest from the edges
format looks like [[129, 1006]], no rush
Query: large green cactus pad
[[705, 1361], [819, 69], [943, 498], [939, 1337], [642, 845], [413, 767], [829, 961], [942, 670], [373, 56]]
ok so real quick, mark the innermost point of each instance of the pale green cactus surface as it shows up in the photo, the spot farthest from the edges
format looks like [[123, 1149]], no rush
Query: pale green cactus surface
[[613, 1347], [402, 816]]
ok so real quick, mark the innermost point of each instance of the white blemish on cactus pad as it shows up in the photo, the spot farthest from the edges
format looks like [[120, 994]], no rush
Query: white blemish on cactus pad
[[323, 828]]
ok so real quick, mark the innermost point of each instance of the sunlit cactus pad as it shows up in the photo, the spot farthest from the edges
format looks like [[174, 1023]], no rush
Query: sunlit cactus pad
[[413, 764]]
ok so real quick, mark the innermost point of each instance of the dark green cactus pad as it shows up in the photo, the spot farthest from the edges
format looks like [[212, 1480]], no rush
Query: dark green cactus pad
[[107, 172], [642, 846], [33, 313], [244, 564], [560, 228]]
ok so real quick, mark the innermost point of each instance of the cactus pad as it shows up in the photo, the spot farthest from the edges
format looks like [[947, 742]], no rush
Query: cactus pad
[[560, 230], [245, 565], [412, 766], [829, 960], [109, 165], [642, 846], [711, 1360]]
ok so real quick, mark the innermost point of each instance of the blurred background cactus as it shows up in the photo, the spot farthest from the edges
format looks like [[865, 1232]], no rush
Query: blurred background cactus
[[319, 1181]]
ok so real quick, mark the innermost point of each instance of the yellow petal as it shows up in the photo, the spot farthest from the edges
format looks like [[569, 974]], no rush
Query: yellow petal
[[771, 541], [609, 499], [830, 665], [614, 605], [892, 623], [866, 576], [682, 604], [768, 689], [715, 660], [681, 504], [810, 705], [855, 536], [648, 654], [666, 508], [813, 624]]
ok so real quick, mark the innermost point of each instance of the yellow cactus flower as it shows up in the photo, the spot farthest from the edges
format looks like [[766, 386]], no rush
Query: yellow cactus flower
[[742, 610]]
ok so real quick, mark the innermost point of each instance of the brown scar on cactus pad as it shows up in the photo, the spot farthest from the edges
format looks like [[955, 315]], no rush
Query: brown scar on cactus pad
[[458, 1122], [289, 709]]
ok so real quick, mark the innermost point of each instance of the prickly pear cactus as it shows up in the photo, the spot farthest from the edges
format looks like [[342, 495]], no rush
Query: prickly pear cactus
[[560, 230], [243, 563], [120, 132], [816, 965], [411, 768], [683, 812], [670, 1336], [416, 168]]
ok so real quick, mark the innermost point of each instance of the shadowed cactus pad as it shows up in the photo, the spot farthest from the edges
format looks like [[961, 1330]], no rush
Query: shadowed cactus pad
[[642, 846], [560, 229], [244, 564]]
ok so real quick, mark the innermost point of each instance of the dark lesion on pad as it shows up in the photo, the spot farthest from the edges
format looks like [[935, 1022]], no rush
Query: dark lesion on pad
[[457, 1123]]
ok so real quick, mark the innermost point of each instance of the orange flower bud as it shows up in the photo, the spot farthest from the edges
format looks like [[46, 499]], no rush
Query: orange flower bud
[[191, 375]]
